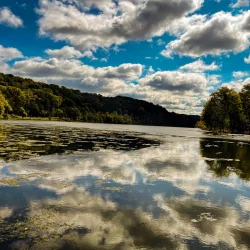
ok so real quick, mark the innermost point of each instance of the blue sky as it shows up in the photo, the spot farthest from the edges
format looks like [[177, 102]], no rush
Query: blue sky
[[170, 52]]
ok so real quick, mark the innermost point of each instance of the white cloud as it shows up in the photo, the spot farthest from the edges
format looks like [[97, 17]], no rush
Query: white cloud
[[68, 52], [240, 74], [7, 54], [168, 53], [213, 79], [109, 81], [117, 23], [8, 18], [247, 60], [106, 86], [240, 3], [160, 42], [238, 84], [104, 59], [52, 68], [104, 5], [74, 69], [151, 70], [199, 66], [221, 33], [126, 71], [175, 81]]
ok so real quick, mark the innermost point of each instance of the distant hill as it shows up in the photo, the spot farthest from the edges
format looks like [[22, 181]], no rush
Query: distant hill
[[25, 97]]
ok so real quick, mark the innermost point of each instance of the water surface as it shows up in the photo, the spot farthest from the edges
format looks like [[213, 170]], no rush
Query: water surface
[[94, 186]]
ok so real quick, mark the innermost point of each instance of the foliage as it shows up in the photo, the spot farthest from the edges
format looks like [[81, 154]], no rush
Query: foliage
[[36, 99], [4, 105], [201, 125], [226, 110], [245, 98]]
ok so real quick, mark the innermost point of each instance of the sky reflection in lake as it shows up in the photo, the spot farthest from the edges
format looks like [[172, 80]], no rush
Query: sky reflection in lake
[[129, 190]]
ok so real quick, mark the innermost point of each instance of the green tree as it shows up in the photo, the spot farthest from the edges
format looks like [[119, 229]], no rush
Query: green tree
[[245, 99], [22, 112], [4, 105], [127, 119], [224, 111], [74, 114], [59, 113], [15, 96]]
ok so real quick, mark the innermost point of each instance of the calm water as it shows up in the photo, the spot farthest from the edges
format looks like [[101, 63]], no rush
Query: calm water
[[90, 186]]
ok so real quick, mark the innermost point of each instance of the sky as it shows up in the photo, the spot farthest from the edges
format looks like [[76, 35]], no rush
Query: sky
[[174, 53]]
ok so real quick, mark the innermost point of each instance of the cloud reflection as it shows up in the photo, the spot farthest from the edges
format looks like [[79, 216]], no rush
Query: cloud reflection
[[162, 197]]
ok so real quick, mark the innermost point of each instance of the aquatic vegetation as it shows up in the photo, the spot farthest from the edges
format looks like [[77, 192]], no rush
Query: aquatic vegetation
[[99, 182], [32, 175], [25, 142], [9, 182], [113, 176], [153, 178]]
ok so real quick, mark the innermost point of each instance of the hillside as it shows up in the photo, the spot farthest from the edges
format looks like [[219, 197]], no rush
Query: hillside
[[25, 97]]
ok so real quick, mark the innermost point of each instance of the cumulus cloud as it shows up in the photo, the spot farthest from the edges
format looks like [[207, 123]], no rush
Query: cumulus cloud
[[8, 18], [7, 54], [71, 68], [237, 84], [68, 52], [126, 20], [176, 81], [200, 66], [213, 79], [240, 4], [104, 85], [126, 71], [221, 33], [103, 5], [52, 68]]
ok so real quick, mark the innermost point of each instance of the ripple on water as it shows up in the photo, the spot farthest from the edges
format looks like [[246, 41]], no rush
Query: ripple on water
[[90, 189]]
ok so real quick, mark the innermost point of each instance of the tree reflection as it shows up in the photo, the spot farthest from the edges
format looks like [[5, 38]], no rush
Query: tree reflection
[[3, 134], [226, 157]]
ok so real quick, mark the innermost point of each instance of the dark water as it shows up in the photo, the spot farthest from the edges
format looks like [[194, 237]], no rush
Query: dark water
[[67, 186]]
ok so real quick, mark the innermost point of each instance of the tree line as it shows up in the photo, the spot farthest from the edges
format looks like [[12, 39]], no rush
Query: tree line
[[227, 111], [27, 98]]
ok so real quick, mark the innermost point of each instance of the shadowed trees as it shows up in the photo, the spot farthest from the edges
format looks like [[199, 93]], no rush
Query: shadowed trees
[[5, 108], [225, 111], [245, 99], [36, 99]]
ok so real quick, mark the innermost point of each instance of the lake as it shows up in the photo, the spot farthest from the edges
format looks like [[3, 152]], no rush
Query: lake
[[96, 186]]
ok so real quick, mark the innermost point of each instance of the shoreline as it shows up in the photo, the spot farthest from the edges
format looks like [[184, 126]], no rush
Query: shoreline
[[198, 133], [55, 119]]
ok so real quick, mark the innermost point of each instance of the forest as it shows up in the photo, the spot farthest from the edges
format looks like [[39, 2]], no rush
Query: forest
[[21, 97], [227, 111]]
